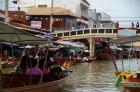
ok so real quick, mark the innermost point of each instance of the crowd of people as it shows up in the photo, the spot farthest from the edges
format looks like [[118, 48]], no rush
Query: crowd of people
[[32, 65], [132, 25]]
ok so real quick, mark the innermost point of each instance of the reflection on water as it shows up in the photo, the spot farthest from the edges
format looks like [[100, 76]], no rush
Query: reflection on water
[[97, 76]]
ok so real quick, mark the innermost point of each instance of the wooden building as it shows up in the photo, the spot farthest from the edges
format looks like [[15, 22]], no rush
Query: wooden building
[[63, 19]]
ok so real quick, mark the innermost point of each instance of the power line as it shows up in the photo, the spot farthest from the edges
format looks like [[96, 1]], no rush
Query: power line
[[118, 17], [118, 10], [115, 10]]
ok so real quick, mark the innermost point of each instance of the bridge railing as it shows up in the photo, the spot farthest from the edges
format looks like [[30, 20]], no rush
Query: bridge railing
[[89, 31], [85, 31]]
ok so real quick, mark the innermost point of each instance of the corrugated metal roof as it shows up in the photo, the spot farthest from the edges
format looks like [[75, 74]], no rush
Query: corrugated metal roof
[[14, 18], [47, 11]]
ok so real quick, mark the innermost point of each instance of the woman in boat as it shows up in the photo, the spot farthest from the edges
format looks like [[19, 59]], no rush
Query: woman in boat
[[41, 64], [23, 64], [32, 68], [51, 67]]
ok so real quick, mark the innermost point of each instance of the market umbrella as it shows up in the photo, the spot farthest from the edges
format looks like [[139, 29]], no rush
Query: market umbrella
[[47, 36], [28, 47], [14, 35], [99, 40], [72, 44]]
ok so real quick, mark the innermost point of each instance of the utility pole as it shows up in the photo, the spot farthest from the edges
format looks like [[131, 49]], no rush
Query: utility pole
[[51, 18], [6, 10], [1, 3]]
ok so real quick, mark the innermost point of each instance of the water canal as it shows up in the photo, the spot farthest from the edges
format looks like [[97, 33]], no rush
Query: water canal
[[97, 76]]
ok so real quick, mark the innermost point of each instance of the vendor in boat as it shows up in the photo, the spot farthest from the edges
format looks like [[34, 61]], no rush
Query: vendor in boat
[[3, 57], [32, 68], [41, 64], [21, 69], [51, 67]]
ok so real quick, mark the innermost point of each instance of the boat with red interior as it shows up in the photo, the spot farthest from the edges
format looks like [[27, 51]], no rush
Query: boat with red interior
[[18, 82]]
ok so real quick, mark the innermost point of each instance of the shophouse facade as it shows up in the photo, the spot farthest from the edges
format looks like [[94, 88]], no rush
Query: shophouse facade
[[79, 7], [63, 19], [104, 20]]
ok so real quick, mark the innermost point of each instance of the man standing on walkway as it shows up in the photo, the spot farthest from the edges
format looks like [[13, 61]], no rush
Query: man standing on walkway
[[132, 25], [137, 25]]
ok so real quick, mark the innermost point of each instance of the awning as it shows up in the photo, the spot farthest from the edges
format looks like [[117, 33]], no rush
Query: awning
[[83, 20], [13, 35]]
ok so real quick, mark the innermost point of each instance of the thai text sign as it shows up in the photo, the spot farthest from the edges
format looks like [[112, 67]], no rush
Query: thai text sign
[[126, 32], [36, 24]]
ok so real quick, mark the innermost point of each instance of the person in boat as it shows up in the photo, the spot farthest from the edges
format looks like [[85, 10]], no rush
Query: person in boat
[[41, 64], [21, 69], [3, 57], [72, 56], [49, 62], [51, 67], [85, 58], [32, 68], [23, 65]]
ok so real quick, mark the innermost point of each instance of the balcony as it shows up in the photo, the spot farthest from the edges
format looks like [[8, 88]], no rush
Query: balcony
[[84, 4]]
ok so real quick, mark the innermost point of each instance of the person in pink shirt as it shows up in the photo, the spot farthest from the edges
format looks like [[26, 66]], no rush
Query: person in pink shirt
[[32, 68]]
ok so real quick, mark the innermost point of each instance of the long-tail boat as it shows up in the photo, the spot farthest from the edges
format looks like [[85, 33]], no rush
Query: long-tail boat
[[127, 80]]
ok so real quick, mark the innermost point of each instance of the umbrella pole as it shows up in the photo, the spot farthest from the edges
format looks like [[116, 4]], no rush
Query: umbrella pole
[[45, 62]]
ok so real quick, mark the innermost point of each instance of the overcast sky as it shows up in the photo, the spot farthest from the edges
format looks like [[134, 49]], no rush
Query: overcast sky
[[125, 11]]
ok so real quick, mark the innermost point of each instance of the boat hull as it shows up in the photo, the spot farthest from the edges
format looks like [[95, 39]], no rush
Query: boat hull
[[44, 87], [129, 87]]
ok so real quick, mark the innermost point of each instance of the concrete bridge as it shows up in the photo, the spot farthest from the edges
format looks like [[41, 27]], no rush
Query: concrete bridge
[[91, 34]]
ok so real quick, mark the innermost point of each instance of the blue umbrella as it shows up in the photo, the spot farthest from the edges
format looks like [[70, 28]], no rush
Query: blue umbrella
[[47, 36]]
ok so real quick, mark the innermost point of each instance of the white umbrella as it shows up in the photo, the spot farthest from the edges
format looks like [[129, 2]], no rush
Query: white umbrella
[[28, 47], [87, 51], [69, 43]]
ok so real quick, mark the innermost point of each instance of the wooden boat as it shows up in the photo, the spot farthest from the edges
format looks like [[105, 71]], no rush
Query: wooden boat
[[21, 83], [7, 64], [127, 81], [101, 50], [103, 56], [24, 83], [67, 45]]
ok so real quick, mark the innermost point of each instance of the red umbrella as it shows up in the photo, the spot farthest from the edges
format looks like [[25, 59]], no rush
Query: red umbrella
[[55, 38], [99, 40], [84, 40]]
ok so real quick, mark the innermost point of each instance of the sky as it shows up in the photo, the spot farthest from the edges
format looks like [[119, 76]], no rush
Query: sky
[[123, 11]]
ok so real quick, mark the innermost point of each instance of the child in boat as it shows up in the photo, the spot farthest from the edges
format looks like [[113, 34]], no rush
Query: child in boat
[[32, 68]]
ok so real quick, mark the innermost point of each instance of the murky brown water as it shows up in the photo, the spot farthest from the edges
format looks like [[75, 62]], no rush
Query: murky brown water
[[97, 76]]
